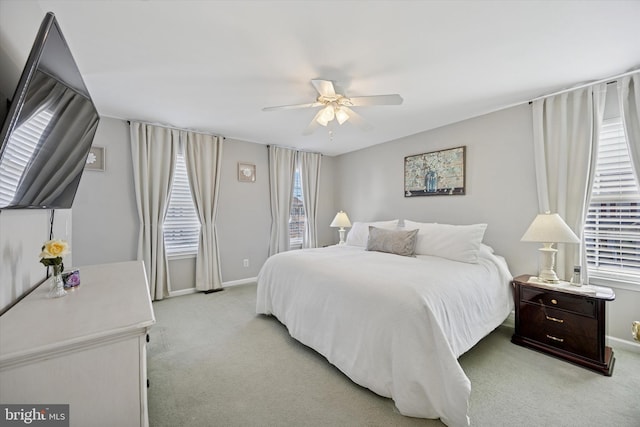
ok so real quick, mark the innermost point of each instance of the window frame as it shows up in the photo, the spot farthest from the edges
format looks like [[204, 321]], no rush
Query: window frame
[[628, 193]]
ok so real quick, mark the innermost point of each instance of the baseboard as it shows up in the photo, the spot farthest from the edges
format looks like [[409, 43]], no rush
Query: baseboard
[[230, 283], [240, 282], [182, 292], [623, 344]]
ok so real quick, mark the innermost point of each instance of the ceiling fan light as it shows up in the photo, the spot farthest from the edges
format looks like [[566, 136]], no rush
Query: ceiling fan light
[[341, 115], [329, 113], [326, 116]]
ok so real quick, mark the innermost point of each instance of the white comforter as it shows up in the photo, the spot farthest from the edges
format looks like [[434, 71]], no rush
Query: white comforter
[[393, 324]]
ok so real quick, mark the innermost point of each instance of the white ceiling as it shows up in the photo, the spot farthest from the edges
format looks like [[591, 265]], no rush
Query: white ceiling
[[213, 65]]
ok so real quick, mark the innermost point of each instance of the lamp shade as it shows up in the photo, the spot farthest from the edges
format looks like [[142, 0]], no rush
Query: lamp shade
[[341, 220], [549, 228]]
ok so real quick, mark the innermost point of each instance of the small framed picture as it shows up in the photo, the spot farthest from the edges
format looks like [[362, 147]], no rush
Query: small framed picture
[[95, 159], [246, 172], [71, 279]]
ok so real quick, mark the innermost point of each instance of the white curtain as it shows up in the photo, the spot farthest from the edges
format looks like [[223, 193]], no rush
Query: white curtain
[[154, 151], [629, 98], [203, 157], [282, 169], [565, 136], [309, 166]]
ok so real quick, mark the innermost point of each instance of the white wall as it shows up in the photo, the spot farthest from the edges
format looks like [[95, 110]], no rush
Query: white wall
[[105, 219], [244, 216], [500, 182]]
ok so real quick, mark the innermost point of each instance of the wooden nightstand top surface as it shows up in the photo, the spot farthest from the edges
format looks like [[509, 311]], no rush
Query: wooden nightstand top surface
[[599, 292]]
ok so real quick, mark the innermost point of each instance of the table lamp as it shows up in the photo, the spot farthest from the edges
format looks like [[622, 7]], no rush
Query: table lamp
[[548, 228], [341, 220]]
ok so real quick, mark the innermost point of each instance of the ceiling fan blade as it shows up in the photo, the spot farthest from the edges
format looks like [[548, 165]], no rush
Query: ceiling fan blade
[[356, 119], [293, 106], [324, 87], [313, 125], [361, 101]]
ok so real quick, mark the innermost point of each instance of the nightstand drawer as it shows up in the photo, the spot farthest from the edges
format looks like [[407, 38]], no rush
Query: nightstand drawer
[[559, 300], [560, 329]]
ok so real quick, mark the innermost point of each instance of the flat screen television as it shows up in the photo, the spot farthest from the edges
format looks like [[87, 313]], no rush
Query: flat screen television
[[49, 127]]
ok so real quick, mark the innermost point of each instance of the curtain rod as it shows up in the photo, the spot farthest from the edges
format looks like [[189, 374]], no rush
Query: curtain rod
[[294, 149], [175, 128], [608, 79]]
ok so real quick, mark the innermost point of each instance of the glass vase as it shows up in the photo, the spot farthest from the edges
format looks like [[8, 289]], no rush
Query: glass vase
[[431, 182], [57, 284]]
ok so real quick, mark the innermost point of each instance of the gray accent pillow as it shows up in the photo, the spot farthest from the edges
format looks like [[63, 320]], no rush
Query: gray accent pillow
[[399, 242]]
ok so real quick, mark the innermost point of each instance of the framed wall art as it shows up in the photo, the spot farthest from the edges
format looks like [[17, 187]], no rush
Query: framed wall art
[[246, 172], [95, 159], [438, 173]]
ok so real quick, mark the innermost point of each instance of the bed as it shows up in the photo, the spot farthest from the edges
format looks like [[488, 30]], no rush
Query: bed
[[394, 324]]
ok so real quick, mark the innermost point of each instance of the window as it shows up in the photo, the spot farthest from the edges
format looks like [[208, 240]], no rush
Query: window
[[297, 218], [612, 228], [181, 225]]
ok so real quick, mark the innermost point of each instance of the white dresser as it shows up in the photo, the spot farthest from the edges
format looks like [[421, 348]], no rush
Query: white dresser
[[87, 349]]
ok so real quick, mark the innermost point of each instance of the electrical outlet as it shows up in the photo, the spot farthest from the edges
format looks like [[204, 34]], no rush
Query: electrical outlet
[[245, 262]]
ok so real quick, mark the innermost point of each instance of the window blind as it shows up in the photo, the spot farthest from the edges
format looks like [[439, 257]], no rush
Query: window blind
[[181, 225], [612, 228], [297, 218]]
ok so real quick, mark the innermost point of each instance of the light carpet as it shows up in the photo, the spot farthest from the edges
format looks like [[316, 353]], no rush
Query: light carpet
[[213, 362]]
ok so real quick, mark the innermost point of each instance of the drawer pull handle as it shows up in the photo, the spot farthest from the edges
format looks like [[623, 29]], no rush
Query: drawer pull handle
[[554, 301], [554, 319], [551, 337]]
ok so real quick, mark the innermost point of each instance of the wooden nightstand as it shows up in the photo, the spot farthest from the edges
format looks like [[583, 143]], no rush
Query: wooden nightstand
[[563, 322]]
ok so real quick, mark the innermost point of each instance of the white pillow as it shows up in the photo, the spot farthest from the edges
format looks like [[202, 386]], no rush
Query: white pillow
[[359, 233], [456, 242], [414, 225]]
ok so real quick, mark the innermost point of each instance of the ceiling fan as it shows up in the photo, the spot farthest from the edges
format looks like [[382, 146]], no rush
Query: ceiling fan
[[338, 106]]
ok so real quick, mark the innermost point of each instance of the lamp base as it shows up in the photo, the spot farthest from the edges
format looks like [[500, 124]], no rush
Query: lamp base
[[547, 273], [341, 231], [548, 278]]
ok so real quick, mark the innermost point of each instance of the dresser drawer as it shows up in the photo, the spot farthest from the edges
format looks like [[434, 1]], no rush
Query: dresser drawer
[[559, 300], [560, 329]]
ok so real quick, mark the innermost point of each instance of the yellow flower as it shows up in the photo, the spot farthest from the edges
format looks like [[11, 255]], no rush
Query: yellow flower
[[54, 249]]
